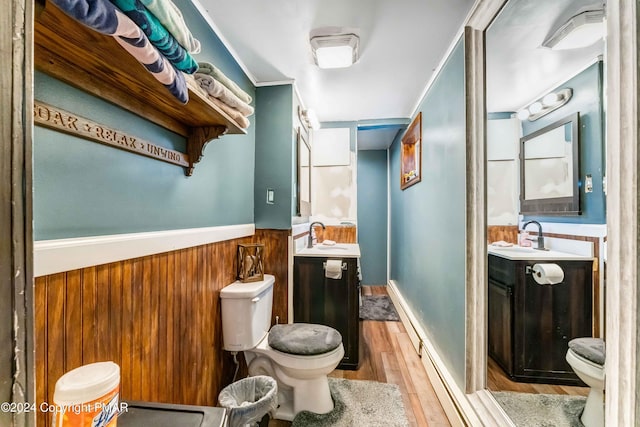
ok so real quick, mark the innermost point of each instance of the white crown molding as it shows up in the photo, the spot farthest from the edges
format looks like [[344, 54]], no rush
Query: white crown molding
[[55, 256]]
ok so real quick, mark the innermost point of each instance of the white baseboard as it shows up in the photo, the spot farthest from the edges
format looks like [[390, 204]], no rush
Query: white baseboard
[[454, 401], [55, 256]]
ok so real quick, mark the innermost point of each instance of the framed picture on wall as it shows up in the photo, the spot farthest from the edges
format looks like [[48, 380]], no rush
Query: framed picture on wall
[[411, 154]]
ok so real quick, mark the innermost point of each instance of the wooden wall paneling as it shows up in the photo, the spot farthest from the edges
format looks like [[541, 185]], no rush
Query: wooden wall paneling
[[508, 233], [168, 337], [338, 233], [55, 332], [200, 334], [101, 337], [115, 331], [135, 375], [73, 320], [126, 338], [158, 317], [88, 312], [40, 326]]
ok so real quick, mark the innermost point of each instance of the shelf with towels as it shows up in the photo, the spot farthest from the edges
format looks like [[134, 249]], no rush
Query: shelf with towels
[[95, 63]]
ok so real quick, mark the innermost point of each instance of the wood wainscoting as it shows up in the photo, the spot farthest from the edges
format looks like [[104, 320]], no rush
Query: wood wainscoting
[[508, 233], [158, 317], [337, 233]]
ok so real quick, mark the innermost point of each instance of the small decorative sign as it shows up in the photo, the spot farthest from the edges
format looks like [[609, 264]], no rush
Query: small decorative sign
[[64, 121], [250, 267]]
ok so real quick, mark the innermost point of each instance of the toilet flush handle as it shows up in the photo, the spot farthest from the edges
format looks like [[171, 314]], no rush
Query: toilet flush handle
[[256, 299]]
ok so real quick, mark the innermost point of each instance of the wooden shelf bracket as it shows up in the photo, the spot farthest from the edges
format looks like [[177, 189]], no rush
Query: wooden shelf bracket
[[198, 139]]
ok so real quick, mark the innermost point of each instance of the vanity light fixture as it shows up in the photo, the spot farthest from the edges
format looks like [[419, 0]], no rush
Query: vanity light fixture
[[548, 103], [334, 47], [581, 30], [312, 119]]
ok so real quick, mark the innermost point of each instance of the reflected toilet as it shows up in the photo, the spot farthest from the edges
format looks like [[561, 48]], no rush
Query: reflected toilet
[[586, 356]]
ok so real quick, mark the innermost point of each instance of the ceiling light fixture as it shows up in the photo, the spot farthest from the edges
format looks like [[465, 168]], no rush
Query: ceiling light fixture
[[548, 103], [581, 30], [334, 47]]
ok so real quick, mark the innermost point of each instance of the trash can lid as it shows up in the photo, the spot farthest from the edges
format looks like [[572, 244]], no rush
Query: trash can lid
[[591, 349], [304, 339]]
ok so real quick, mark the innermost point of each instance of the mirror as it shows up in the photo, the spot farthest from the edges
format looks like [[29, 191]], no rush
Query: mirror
[[303, 186], [549, 169]]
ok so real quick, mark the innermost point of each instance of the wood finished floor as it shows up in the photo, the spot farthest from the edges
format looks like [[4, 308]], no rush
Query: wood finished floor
[[497, 380], [388, 356]]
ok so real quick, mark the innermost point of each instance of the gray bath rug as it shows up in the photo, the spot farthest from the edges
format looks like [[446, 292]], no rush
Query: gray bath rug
[[541, 410], [358, 404], [378, 307]]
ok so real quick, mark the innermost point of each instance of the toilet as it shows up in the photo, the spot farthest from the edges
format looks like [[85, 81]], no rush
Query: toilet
[[586, 357], [299, 356]]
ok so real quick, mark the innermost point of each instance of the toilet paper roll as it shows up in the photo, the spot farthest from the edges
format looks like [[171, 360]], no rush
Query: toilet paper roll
[[547, 274], [333, 269]]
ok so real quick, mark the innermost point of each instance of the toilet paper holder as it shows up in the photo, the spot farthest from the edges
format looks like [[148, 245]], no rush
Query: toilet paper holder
[[528, 269], [324, 265]]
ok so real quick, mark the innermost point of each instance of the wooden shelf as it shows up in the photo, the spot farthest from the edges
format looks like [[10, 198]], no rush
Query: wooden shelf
[[95, 63]]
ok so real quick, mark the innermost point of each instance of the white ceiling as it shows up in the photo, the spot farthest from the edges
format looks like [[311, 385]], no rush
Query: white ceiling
[[401, 44], [518, 69]]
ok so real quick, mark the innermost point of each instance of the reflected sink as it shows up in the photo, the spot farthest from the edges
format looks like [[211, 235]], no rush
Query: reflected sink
[[513, 248]]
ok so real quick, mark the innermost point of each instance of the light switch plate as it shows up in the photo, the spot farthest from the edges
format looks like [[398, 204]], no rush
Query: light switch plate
[[588, 184], [271, 196]]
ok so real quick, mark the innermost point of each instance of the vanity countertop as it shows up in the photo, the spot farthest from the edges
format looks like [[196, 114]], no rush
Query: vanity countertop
[[339, 250], [529, 254]]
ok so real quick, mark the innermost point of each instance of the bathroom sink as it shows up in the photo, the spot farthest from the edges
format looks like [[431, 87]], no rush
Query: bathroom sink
[[330, 248], [342, 250], [513, 248]]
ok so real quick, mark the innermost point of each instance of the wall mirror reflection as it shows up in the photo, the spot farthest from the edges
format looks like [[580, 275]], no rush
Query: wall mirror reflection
[[303, 171], [545, 161], [549, 169]]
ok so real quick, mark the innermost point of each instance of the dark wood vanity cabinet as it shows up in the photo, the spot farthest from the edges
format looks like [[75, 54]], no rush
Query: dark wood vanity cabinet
[[331, 302], [530, 325]]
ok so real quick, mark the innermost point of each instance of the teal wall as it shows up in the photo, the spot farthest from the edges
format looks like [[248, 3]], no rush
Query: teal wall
[[372, 215], [586, 100], [274, 156], [82, 188], [428, 218]]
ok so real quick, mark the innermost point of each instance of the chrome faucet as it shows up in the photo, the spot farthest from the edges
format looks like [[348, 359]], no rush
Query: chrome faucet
[[310, 243], [540, 237]]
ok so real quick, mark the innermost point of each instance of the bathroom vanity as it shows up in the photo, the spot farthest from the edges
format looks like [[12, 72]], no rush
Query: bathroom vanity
[[331, 302], [530, 325]]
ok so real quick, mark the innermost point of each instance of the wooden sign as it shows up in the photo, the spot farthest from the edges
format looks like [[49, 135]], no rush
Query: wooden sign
[[64, 121]]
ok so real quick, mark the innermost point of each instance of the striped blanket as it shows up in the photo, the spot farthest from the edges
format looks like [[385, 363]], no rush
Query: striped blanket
[[104, 17], [171, 18], [158, 35]]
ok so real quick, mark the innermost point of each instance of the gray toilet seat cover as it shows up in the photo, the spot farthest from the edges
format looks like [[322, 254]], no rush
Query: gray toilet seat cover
[[304, 339], [591, 349]]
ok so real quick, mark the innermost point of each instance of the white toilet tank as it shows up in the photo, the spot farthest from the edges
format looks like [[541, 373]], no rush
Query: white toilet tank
[[246, 313]]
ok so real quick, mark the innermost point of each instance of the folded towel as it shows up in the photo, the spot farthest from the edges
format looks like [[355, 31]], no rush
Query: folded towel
[[104, 17], [218, 90], [171, 18], [502, 244], [236, 115], [158, 35], [213, 71]]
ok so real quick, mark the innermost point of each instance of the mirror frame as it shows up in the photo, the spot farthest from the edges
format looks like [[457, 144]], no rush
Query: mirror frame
[[556, 206], [303, 208]]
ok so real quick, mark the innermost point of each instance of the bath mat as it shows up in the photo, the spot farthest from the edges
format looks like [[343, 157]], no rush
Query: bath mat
[[541, 410], [358, 404], [378, 307]]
